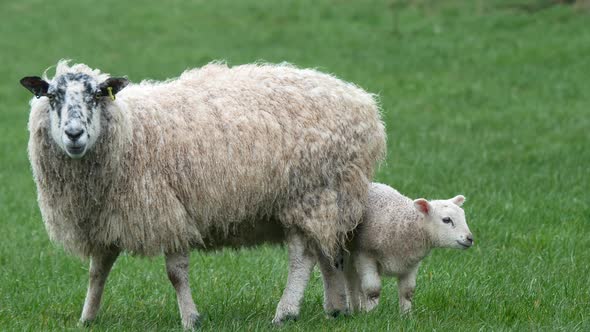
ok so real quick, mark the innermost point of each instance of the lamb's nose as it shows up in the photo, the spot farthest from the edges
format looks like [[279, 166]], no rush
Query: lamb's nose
[[470, 238], [74, 133]]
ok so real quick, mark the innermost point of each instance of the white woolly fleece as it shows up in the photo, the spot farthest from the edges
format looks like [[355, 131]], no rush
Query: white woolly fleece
[[217, 156]]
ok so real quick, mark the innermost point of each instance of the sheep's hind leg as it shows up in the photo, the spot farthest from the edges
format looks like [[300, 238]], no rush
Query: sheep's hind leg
[[335, 299], [100, 266], [353, 283], [177, 268], [301, 263]]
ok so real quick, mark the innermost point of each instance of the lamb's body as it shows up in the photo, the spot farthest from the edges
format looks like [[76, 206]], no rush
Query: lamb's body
[[180, 163], [392, 240], [219, 156], [392, 231]]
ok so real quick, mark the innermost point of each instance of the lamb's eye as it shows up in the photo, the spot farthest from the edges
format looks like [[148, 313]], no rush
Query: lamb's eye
[[51, 96], [447, 220], [97, 95]]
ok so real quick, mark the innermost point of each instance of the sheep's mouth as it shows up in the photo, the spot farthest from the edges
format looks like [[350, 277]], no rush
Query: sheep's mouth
[[464, 245], [76, 151]]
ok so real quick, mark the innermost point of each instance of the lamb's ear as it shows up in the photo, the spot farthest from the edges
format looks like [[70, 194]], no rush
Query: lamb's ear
[[115, 84], [423, 206], [36, 85], [458, 200]]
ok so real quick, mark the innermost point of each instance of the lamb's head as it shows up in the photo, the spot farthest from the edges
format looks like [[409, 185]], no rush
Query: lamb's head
[[445, 222], [76, 101]]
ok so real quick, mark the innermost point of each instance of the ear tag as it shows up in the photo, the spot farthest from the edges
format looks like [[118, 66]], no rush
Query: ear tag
[[110, 89]]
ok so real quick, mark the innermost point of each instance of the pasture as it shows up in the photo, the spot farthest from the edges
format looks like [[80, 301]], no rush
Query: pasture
[[479, 98]]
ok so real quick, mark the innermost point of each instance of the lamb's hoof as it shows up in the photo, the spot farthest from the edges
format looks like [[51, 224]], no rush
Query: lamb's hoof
[[405, 312], [82, 323], [333, 313], [372, 303], [191, 322], [279, 321]]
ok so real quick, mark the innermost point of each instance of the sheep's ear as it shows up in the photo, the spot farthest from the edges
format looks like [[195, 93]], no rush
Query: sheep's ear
[[115, 84], [423, 206], [458, 200], [36, 85]]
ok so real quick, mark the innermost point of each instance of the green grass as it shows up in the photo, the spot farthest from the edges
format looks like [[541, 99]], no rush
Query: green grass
[[478, 99]]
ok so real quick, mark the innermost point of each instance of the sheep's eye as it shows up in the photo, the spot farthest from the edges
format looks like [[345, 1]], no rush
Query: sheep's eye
[[447, 220], [97, 95], [51, 96]]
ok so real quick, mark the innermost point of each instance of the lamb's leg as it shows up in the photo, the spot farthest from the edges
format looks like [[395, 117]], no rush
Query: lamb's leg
[[177, 268], [335, 301], [100, 266], [353, 283], [370, 281], [301, 262], [405, 288]]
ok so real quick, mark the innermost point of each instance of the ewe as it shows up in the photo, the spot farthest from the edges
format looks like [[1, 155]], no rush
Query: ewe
[[219, 156], [395, 235]]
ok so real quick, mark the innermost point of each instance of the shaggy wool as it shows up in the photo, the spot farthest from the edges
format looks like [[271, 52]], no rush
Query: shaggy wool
[[218, 156]]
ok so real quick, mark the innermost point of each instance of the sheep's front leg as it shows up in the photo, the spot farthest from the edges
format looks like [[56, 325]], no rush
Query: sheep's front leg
[[301, 262], [100, 266], [406, 285], [335, 301], [177, 268], [370, 281]]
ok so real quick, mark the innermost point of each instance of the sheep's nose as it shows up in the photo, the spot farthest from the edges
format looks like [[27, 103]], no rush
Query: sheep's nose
[[74, 133], [470, 239]]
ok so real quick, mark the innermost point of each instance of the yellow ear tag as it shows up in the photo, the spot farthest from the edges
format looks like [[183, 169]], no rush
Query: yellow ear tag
[[110, 88]]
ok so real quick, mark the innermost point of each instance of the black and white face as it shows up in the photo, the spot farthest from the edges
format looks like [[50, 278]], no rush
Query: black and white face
[[445, 220], [75, 113], [76, 101]]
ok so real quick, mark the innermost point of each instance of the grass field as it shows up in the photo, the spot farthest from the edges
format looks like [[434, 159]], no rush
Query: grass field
[[479, 98]]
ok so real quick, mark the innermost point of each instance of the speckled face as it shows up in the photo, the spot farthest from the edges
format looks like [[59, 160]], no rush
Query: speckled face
[[75, 104], [75, 101]]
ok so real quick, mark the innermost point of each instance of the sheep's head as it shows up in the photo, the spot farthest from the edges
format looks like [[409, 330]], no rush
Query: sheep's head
[[445, 222], [76, 101]]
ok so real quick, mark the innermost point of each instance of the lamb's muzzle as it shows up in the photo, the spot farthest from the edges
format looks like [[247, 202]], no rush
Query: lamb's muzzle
[[468, 242]]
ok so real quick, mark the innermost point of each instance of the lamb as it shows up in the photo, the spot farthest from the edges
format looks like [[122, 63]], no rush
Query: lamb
[[395, 235], [217, 157]]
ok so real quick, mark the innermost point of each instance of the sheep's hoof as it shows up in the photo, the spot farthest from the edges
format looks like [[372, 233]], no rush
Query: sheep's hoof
[[84, 323], [279, 321], [191, 322]]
